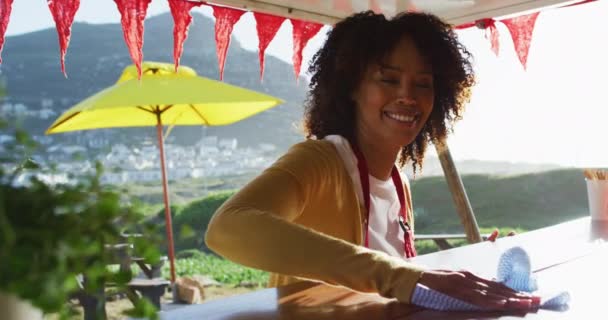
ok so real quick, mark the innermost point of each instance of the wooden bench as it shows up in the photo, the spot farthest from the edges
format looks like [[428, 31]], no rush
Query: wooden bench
[[441, 240], [152, 289], [151, 271], [94, 304]]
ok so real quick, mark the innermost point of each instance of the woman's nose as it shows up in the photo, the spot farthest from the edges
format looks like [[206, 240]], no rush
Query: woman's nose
[[405, 100], [405, 94]]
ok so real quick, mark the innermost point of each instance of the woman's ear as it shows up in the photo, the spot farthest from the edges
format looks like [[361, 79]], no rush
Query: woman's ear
[[356, 91]]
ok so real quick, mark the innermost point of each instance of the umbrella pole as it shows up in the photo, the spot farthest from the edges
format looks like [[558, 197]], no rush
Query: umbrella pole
[[169, 225]]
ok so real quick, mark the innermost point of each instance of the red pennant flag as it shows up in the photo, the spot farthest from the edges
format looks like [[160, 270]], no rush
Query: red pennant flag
[[302, 32], [5, 15], [374, 6], [492, 36], [225, 19], [180, 10], [132, 16], [521, 29], [491, 33], [63, 12], [343, 6], [267, 26], [411, 7]]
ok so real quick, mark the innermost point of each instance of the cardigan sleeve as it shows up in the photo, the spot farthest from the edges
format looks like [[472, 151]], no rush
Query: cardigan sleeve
[[255, 228]]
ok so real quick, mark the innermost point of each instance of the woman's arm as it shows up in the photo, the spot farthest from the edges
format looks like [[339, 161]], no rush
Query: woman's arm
[[255, 228]]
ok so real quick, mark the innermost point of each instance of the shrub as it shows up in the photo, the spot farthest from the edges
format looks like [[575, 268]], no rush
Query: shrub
[[191, 223], [52, 232]]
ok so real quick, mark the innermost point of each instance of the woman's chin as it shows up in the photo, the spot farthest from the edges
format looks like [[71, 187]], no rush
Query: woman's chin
[[406, 141]]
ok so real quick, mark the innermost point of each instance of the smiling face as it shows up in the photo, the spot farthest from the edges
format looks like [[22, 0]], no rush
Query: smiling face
[[394, 98]]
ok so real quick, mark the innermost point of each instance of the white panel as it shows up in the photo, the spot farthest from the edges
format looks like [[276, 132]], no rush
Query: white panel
[[453, 11], [360, 5]]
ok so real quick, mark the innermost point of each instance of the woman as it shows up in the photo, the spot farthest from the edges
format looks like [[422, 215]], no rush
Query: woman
[[334, 208]]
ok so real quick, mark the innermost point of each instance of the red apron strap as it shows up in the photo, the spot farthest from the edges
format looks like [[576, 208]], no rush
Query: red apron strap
[[410, 250]]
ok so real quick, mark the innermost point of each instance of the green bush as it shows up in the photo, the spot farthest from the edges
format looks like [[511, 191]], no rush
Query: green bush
[[185, 254], [191, 223], [175, 211], [52, 232]]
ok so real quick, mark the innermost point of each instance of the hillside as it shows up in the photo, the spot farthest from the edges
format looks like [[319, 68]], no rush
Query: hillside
[[524, 202], [98, 54], [527, 201], [432, 167]]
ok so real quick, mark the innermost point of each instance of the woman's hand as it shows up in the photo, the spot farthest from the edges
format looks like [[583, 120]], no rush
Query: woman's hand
[[484, 293]]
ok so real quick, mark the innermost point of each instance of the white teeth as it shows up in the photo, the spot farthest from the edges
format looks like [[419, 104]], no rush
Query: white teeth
[[400, 117]]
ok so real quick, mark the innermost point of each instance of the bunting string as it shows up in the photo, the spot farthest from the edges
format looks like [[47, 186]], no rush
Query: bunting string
[[133, 14]]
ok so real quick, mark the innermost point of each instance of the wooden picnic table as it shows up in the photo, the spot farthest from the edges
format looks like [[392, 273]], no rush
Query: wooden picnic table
[[152, 286], [571, 256]]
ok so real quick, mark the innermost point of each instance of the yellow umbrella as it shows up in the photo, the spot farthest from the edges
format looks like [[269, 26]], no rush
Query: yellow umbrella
[[163, 97]]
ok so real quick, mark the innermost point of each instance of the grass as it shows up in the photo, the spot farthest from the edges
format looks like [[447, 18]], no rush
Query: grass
[[221, 270]]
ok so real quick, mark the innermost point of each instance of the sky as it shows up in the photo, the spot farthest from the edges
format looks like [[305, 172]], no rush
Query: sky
[[555, 112]]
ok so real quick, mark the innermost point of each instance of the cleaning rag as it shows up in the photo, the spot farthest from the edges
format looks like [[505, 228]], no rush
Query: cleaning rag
[[514, 271]]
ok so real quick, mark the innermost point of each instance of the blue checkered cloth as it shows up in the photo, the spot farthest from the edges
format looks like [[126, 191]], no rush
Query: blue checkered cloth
[[513, 270]]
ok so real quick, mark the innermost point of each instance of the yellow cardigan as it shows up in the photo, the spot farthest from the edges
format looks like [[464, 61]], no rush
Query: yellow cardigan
[[301, 219]]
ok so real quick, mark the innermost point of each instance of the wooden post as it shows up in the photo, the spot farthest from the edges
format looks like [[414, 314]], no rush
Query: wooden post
[[461, 201]]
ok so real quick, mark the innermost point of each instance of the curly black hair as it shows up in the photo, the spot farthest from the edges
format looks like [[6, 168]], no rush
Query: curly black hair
[[365, 38]]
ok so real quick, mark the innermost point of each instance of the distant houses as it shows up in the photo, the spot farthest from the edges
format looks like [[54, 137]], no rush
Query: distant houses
[[17, 110], [126, 163], [210, 157]]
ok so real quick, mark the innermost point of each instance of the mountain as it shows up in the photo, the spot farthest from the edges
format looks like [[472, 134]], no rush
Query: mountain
[[432, 167], [98, 54]]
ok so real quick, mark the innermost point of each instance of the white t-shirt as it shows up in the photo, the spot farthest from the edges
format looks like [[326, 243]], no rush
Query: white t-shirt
[[385, 233]]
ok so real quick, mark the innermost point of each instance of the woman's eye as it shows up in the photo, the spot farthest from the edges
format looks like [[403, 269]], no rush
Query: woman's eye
[[390, 81], [424, 85]]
